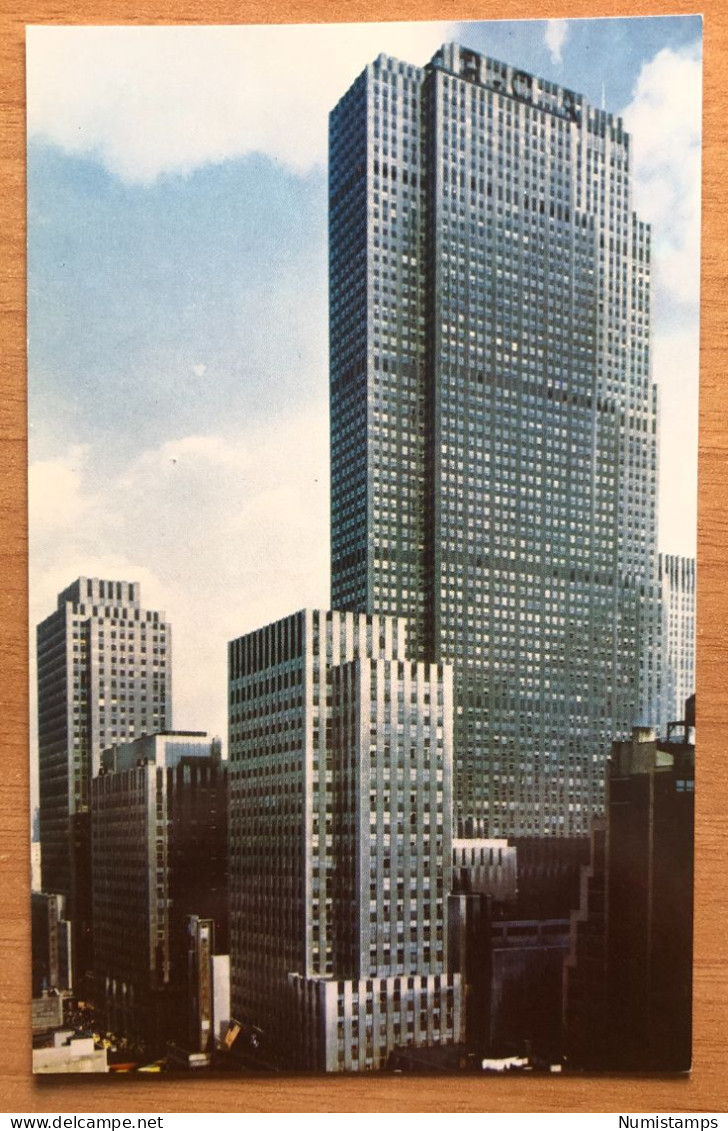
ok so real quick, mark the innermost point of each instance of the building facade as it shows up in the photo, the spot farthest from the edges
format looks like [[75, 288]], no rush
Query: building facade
[[340, 842], [51, 944], [159, 855], [493, 418], [104, 675], [489, 867], [677, 581]]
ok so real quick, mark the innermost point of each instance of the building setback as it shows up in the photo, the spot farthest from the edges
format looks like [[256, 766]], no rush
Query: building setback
[[104, 675], [493, 418], [340, 842], [677, 580], [159, 855]]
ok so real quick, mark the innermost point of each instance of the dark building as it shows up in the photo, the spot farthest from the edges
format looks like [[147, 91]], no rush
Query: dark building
[[549, 875], [629, 976], [468, 925], [484, 886], [208, 999], [526, 987], [197, 808], [585, 968], [493, 418], [159, 839], [511, 965], [51, 944]]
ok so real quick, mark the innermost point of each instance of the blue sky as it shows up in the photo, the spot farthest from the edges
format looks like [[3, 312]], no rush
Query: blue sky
[[178, 308]]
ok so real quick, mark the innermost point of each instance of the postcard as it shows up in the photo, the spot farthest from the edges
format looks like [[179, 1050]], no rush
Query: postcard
[[363, 376]]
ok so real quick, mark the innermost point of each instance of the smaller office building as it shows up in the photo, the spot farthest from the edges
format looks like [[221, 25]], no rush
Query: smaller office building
[[341, 842], [159, 840]]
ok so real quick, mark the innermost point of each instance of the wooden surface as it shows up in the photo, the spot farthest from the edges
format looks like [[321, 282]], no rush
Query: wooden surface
[[707, 1088]]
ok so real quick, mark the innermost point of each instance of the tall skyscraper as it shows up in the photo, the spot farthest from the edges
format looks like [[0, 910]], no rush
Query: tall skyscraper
[[104, 675], [340, 842], [677, 582], [493, 418]]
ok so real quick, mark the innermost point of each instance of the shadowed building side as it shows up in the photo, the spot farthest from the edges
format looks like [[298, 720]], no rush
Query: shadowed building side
[[629, 981]]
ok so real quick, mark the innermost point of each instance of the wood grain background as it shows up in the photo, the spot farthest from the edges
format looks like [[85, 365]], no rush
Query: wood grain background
[[707, 1087]]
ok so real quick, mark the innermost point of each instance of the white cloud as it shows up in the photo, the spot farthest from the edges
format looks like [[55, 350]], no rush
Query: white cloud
[[199, 370], [154, 100], [556, 33], [664, 118], [224, 532], [55, 498], [675, 368]]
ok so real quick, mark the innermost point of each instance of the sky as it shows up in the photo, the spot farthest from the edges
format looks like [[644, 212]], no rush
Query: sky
[[177, 299]]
